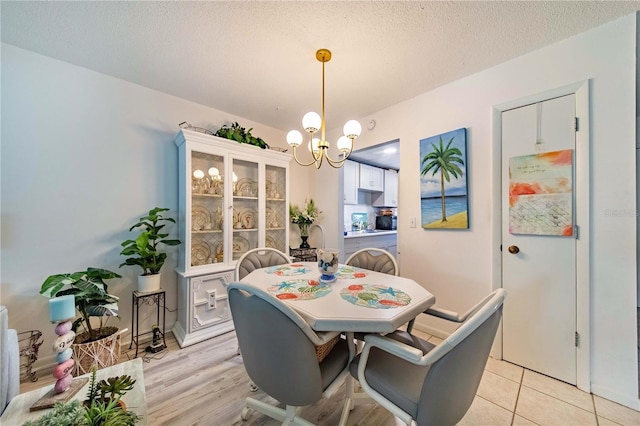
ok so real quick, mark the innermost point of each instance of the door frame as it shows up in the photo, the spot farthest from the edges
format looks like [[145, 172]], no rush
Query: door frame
[[582, 217]]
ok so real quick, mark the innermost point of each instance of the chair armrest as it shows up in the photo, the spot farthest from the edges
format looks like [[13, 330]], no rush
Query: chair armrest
[[445, 314], [394, 347]]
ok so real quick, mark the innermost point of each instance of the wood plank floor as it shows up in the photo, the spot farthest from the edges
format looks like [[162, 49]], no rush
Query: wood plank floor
[[206, 384]]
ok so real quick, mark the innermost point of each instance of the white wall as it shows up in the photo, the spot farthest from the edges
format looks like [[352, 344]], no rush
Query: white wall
[[457, 265], [85, 155]]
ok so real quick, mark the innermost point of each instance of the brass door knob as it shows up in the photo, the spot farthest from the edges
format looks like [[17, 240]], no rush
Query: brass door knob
[[514, 249]]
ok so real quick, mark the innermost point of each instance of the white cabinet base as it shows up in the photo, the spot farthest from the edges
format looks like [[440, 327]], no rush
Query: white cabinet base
[[203, 308]]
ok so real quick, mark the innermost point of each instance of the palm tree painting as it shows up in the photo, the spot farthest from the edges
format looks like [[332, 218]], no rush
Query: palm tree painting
[[443, 181]]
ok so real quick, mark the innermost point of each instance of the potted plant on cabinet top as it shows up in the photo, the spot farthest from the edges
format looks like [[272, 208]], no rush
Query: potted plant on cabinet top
[[95, 345], [144, 249]]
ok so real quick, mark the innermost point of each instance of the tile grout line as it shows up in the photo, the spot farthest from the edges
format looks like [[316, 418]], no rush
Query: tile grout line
[[513, 414]]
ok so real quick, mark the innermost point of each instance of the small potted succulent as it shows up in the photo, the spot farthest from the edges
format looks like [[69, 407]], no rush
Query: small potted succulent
[[144, 250]]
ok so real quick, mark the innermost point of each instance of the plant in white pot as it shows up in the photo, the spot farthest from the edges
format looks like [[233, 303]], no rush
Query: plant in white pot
[[144, 249]]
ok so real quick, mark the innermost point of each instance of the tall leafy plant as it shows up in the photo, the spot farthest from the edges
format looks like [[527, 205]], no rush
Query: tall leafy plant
[[145, 248]]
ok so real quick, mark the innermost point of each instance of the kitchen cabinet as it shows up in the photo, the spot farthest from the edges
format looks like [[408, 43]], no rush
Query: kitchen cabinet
[[231, 198], [389, 197], [386, 241], [351, 181], [371, 178]]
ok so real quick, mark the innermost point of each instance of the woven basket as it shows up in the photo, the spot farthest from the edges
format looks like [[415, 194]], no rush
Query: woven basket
[[102, 353], [323, 350]]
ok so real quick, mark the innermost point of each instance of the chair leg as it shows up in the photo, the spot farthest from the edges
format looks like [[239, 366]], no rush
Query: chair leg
[[288, 416]]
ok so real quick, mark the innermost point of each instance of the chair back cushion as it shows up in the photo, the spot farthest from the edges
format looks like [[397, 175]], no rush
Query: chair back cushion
[[382, 262], [452, 381], [259, 258], [279, 358]]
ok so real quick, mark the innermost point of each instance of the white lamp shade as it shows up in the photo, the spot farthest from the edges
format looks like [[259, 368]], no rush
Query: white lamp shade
[[198, 174], [213, 171], [294, 138], [313, 145], [311, 122], [344, 144], [352, 129]]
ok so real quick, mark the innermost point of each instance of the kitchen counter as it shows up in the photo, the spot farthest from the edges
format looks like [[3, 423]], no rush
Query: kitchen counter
[[372, 233]]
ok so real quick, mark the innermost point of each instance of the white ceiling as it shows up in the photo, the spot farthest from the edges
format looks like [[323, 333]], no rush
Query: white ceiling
[[257, 59]]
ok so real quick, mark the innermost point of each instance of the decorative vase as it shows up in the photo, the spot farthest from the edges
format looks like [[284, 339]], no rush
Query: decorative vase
[[304, 243], [304, 234], [328, 264], [147, 283]]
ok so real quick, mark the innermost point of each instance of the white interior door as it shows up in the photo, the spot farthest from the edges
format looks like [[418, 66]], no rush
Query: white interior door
[[539, 271]]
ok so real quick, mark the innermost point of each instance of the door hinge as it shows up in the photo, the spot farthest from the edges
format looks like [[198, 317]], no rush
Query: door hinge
[[576, 231], [576, 125], [577, 339]]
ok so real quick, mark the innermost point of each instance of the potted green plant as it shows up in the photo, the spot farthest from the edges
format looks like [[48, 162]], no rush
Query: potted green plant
[[238, 133], [145, 248], [95, 345]]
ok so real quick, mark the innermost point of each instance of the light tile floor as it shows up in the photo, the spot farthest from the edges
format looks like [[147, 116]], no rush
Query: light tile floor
[[512, 395]]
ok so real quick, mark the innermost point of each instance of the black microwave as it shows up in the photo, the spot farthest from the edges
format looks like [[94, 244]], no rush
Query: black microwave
[[387, 223]]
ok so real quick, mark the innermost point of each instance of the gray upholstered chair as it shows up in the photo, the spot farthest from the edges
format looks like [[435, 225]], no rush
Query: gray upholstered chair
[[374, 259], [279, 353], [422, 383], [257, 258]]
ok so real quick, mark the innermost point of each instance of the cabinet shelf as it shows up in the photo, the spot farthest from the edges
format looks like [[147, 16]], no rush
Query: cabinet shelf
[[196, 195], [208, 231]]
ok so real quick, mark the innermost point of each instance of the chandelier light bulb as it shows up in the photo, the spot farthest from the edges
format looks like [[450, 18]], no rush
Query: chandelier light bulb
[[235, 177], [198, 174], [313, 145], [311, 122], [352, 129], [344, 144], [213, 171], [294, 138]]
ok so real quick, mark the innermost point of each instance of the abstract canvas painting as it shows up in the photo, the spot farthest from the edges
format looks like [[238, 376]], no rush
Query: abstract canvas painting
[[443, 181], [541, 194]]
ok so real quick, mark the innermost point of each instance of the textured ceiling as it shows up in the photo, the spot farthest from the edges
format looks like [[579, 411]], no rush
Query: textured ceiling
[[257, 59]]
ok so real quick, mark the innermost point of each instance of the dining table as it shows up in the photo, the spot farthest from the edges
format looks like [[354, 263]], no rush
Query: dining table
[[359, 300]]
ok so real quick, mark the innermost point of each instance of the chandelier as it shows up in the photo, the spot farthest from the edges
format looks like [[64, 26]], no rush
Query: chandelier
[[312, 122]]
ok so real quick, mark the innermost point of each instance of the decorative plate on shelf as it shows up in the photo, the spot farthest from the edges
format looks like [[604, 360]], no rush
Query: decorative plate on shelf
[[200, 218], [248, 218], [271, 217], [270, 242], [200, 253], [246, 187], [240, 245]]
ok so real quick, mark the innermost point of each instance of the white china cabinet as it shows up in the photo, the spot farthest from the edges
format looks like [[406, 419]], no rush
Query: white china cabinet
[[232, 198]]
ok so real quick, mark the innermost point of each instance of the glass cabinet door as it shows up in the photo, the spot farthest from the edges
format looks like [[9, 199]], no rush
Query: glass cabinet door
[[276, 209], [207, 208], [245, 211]]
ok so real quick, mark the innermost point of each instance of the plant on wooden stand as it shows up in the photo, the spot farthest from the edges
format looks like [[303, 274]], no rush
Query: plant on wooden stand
[[144, 249]]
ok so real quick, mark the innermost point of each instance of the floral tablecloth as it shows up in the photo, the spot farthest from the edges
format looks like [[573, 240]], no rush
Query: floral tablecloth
[[375, 296], [299, 289], [288, 270], [350, 272]]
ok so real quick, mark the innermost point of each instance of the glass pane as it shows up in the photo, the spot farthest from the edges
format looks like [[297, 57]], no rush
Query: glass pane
[[245, 207], [276, 208], [207, 202]]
